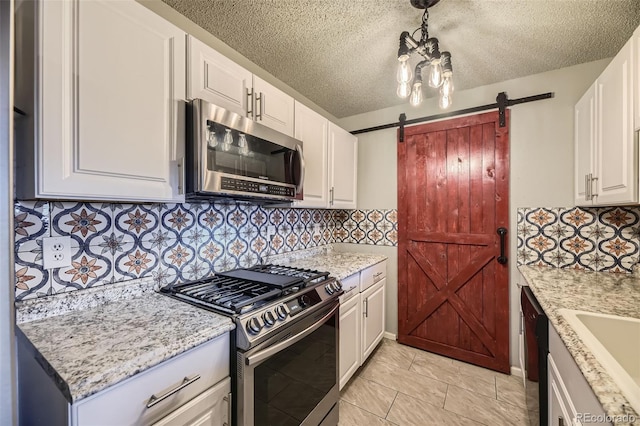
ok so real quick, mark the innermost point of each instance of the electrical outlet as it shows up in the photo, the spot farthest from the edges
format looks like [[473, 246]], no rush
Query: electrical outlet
[[56, 252], [271, 231]]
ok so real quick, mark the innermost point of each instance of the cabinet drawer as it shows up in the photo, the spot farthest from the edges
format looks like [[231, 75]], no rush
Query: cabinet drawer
[[372, 275], [351, 287], [126, 403]]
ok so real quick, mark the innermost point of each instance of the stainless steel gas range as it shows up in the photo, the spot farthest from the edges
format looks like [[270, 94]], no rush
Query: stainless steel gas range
[[286, 341]]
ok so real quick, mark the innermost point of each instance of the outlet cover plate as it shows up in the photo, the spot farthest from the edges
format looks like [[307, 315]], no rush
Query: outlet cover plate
[[56, 252]]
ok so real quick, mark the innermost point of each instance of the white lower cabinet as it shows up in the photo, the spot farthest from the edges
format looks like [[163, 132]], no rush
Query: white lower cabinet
[[362, 318], [190, 388], [372, 317], [571, 400], [211, 408], [349, 338]]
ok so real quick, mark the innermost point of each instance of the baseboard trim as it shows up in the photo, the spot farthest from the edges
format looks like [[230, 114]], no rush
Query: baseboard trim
[[388, 335], [516, 371]]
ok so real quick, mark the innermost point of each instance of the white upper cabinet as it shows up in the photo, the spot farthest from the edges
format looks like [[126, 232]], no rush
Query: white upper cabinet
[[343, 168], [220, 81], [217, 79], [616, 173], [109, 110], [636, 77], [585, 138], [605, 149], [311, 128], [272, 107]]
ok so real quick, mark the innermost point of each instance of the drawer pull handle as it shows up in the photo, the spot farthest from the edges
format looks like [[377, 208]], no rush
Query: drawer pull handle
[[227, 399], [185, 382]]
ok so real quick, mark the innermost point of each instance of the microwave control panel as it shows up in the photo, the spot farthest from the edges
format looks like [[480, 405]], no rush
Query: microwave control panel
[[232, 184]]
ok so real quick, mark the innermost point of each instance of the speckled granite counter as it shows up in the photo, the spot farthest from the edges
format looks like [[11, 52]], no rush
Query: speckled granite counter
[[109, 340], [325, 258], [600, 292]]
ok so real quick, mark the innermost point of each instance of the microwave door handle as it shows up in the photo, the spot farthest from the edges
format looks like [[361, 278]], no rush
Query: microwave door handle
[[266, 353], [300, 180]]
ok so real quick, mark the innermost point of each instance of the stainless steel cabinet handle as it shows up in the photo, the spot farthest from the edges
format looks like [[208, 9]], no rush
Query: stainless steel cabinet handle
[[259, 110], [560, 421], [593, 194], [185, 382], [181, 176], [331, 196], [366, 308], [227, 399], [250, 102], [586, 187]]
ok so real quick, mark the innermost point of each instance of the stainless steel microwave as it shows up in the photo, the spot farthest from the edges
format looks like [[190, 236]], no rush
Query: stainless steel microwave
[[229, 155]]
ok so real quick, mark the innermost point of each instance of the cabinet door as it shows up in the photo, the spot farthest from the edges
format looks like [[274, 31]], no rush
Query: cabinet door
[[273, 107], [616, 165], [349, 339], [210, 408], [584, 143], [216, 79], [636, 78], [373, 317], [343, 168], [558, 414], [311, 129], [112, 81]]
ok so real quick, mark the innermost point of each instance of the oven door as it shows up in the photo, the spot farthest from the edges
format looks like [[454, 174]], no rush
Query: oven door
[[292, 379]]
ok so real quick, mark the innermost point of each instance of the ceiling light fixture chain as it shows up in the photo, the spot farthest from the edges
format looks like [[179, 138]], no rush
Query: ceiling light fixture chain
[[440, 68]]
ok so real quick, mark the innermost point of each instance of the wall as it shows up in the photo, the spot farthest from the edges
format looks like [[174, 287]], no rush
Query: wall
[[113, 242], [541, 152]]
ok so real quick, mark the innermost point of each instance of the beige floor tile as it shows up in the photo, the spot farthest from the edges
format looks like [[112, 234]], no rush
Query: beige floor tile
[[410, 411], [475, 371], [391, 352], [369, 396], [421, 387], [444, 369], [485, 410], [350, 415], [510, 389], [534, 418]]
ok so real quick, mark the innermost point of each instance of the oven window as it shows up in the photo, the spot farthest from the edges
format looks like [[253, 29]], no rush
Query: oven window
[[289, 385], [229, 151]]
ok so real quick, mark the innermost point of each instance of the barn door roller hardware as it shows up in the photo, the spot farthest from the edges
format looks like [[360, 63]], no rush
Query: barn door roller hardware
[[502, 102]]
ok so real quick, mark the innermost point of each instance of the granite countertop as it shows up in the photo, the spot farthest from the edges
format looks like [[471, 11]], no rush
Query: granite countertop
[[99, 344], [599, 292], [339, 264]]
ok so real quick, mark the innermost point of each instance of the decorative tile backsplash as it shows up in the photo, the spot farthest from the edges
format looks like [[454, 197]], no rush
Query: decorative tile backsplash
[[594, 239], [174, 242]]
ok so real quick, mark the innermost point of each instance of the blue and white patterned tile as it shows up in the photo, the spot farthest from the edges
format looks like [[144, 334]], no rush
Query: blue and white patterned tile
[[89, 268], [225, 263], [136, 222], [84, 222], [305, 218], [134, 262], [178, 257], [543, 243], [31, 224], [32, 280], [578, 246], [238, 217], [163, 276], [209, 253], [176, 220], [612, 246]]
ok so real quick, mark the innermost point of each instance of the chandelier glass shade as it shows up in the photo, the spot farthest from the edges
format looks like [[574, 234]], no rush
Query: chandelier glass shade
[[435, 65]]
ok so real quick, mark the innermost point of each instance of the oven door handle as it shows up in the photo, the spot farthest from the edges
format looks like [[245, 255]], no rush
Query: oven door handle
[[266, 353]]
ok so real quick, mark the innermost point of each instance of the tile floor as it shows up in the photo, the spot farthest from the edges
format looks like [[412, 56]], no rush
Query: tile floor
[[401, 385]]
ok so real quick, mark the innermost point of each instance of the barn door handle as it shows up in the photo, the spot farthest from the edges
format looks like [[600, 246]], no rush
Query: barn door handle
[[502, 259]]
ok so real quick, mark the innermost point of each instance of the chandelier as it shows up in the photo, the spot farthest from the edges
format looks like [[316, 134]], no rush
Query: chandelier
[[438, 65]]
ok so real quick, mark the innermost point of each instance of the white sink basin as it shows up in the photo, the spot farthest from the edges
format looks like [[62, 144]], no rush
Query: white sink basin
[[615, 342]]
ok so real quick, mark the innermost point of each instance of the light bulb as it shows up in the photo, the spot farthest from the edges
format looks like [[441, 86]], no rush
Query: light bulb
[[242, 143], [416, 94], [404, 72], [435, 73], [445, 101], [447, 85], [211, 138], [403, 90], [227, 141]]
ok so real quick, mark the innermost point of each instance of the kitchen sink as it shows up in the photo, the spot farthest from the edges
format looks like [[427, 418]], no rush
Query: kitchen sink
[[615, 343]]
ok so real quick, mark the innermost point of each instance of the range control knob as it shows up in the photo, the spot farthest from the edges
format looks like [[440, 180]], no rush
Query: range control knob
[[281, 312], [329, 288], [338, 285], [304, 301], [254, 326], [268, 319]]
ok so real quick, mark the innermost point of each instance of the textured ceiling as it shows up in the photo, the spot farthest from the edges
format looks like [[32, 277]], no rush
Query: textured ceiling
[[342, 54]]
